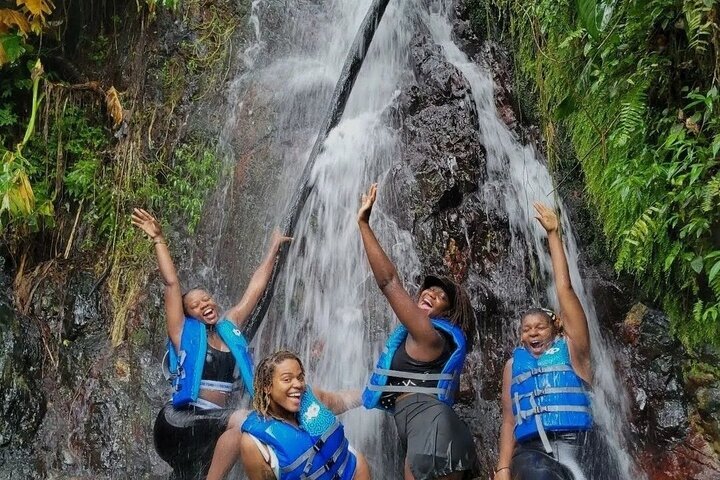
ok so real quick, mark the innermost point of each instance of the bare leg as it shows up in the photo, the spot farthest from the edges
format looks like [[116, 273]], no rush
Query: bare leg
[[362, 470], [408, 473], [227, 452]]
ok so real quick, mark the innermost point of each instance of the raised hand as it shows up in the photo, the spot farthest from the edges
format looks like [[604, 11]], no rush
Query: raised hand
[[146, 222], [367, 202], [546, 216], [278, 238]]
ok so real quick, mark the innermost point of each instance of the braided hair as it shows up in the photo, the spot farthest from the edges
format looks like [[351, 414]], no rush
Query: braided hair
[[462, 314], [264, 377]]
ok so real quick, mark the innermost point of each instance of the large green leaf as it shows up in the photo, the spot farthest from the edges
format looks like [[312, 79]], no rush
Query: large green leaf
[[590, 13]]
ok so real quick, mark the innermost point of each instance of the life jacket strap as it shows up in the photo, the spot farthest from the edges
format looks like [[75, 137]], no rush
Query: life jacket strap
[[331, 461], [216, 386], [538, 392], [537, 371], [414, 376], [541, 428], [310, 453], [406, 389]]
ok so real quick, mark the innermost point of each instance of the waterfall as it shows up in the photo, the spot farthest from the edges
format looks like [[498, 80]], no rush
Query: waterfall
[[522, 178], [327, 306]]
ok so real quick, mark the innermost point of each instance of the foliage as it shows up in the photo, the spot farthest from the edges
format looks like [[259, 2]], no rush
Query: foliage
[[634, 83]]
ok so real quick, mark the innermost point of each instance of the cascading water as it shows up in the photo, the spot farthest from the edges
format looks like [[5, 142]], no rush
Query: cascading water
[[327, 307], [515, 170]]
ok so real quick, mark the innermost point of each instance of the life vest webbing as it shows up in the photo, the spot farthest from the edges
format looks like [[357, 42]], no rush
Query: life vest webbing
[[414, 376], [406, 389], [536, 410], [310, 453], [217, 386], [537, 371], [331, 461]]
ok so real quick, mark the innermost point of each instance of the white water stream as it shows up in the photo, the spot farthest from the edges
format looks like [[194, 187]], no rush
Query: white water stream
[[327, 306]]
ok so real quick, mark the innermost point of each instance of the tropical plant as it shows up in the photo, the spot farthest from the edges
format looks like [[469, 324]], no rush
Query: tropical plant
[[634, 84]]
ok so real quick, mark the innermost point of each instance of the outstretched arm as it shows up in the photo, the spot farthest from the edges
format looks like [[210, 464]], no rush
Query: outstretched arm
[[571, 310], [339, 402], [413, 317], [240, 312], [507, 434], [174, 313]]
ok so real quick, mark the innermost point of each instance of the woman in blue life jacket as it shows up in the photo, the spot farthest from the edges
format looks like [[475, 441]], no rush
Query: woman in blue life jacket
[[545, 393], [207, 350], [292, 433], [418, 373]]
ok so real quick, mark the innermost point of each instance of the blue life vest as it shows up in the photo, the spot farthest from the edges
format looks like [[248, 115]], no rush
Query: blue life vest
[[186, 366], [448, 380], [316, 450], [547, 394]]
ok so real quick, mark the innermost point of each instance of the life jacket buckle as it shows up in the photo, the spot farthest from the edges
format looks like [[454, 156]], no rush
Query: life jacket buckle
[[318, 446]]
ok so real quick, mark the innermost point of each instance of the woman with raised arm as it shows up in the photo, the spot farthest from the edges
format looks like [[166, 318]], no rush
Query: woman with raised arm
[[206, 352], [546, 383], [418, 372], [293, 434]]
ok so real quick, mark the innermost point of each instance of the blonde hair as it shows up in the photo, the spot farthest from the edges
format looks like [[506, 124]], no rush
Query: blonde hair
[[264, 376]]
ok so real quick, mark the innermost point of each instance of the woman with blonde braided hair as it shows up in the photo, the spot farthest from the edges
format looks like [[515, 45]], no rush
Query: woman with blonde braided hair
[[292, 432]]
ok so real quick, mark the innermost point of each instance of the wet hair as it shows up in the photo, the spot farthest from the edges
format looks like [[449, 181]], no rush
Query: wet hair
[[549, 315], [264, 377]]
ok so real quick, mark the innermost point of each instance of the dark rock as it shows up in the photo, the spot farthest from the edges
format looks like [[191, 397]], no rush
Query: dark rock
[[23, 403], [655, 371]]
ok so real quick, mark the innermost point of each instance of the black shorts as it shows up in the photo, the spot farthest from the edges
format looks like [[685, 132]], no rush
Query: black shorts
[[579, 451], [185, 438], [436, 441]]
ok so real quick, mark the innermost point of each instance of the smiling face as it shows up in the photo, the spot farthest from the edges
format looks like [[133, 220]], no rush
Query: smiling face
[[200, 305], [288, 385], [537, 333], [434, 300]]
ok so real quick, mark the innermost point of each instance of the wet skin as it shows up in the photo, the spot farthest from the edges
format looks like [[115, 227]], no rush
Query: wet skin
[[200, 305], [288, 385], [536, 333], [433, 300]]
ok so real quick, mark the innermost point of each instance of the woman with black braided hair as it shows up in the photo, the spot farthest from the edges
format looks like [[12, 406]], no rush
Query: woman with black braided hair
[[418, 372], [546, 383]]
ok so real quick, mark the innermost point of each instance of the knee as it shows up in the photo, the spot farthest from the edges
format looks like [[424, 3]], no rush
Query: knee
[[237, 419]]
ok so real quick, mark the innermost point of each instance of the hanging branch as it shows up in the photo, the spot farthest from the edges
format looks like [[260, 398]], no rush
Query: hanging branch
[[343, 88]]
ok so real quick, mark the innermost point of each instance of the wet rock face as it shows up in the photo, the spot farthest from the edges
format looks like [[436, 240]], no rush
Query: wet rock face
[[443, 160], [22, 402], [101, 401], [656, 382]]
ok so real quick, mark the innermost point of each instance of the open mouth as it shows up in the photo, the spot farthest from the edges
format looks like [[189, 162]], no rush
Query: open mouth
[[536, 344], [295, 397], [426, 304], [209, 314]]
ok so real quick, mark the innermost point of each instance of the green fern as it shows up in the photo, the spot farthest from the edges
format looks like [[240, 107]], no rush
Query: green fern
[[711, 196], [699, 27], [632, 115]]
